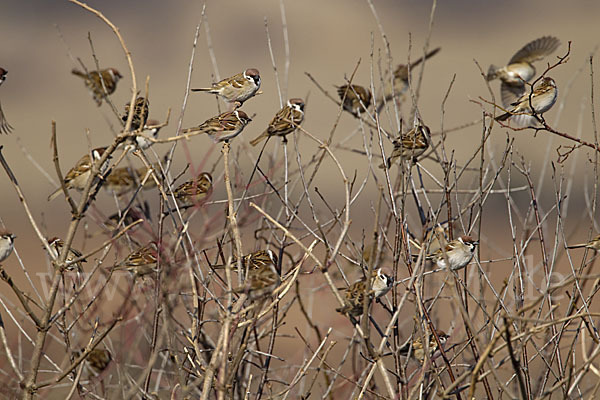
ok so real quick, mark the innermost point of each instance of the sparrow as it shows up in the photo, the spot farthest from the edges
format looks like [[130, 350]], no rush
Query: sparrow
[[121, 180], [401, 78], [222, 127], [194, 191], [262, 275], [78, 176], [355, 293], [458, 253], [151, 129], [414, 348], [97, 359], [141, 262], [410, 145], [436, 237], [236, 89], [401, 72], [285, 121], [98, 81], [543, 98], [593, 244], [356, 98], [57, 245], [4, 125], [140, 113], [7, 244], [134, 214]]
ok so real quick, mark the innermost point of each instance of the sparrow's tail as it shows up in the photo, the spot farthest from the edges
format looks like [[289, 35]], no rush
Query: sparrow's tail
[[259, 139], [492, 73], [428, 55], [577, 246], [4, 125], [203, 90], [77, 72], [503, 117], [55, 194]]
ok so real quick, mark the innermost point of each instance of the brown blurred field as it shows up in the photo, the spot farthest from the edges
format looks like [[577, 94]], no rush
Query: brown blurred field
[[326, 39]]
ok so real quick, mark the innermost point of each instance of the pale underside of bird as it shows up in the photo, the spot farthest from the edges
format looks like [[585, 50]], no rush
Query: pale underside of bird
[[518, 71], [78, 176], [5, 127], [236, 89], [7, 244], [539, 99]]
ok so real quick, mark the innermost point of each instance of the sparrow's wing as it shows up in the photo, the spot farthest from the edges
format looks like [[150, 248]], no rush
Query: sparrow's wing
[[536, 50], [511, 93], [237, 81]]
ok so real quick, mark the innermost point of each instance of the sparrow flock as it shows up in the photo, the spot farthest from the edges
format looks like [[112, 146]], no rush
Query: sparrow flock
[[525, 98]]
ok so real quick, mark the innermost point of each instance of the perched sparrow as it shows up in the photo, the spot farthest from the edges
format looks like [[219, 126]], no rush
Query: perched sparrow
[[458, 253], [285, 121], [410, 145], [401, 72], [593, 244], [4, 125], [141, 262], [222, 127], [262, 276], [57, 245], [414, 348], [151, 129], [121, 180], [140, 113], [543, 98], [236, 89], [134, 214], [7, 244], [520, 70], [436, 237], [357, 98], [355, 293], [97, 359], [78, 176], [194, 191], [98, 81]]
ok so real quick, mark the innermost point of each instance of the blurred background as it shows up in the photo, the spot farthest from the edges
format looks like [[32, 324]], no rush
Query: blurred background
[[326, 39]]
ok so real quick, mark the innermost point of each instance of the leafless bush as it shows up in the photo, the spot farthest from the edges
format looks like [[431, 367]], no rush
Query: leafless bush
[[191, 327]]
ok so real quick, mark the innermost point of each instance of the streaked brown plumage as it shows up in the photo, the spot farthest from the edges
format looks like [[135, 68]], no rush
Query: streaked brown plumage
[[356, 98], [543, 98], [223, 127], [97, 81], [410, 145], [57, 245], [236, 89], [78, 176], [121, 180], [194, 191], [285, 121], [141, 262], [414, 348], [140, 113], [354, 295]]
